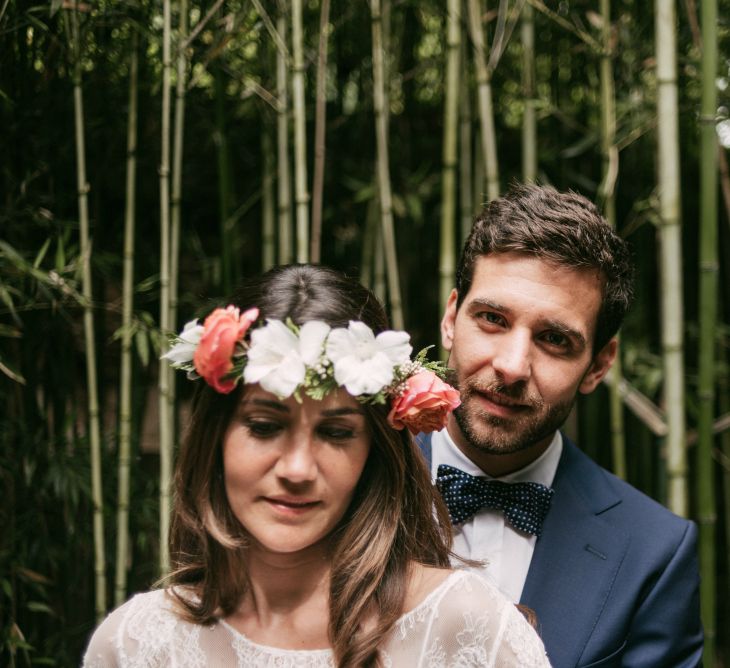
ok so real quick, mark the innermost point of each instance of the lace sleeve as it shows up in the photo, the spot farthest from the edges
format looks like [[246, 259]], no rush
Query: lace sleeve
[[469, 624], [145, 631], [101, 650]]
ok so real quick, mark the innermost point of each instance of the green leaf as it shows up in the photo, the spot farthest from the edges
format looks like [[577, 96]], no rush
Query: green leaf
[[41, 254], [148, 284], [10, 373], [37, 606], [7, 299], [60, 255], [142, 345]]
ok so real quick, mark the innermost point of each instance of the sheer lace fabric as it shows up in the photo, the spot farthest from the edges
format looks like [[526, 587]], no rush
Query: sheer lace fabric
[[463, 623]]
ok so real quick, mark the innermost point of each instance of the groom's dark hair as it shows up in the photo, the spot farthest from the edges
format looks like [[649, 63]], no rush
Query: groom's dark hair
[[563, 228]]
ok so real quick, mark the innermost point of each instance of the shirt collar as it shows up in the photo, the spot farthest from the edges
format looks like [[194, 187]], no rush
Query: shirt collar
[[542, 470]]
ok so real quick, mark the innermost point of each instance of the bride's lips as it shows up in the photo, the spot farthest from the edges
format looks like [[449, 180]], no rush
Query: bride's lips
[[291, 505], [500, 405]]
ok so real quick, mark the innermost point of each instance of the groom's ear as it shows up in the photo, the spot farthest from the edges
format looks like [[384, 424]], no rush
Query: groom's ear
[[602, 362], [447, 322]]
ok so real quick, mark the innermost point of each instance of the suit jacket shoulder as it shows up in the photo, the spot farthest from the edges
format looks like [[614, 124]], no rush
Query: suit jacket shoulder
[[613, 579]]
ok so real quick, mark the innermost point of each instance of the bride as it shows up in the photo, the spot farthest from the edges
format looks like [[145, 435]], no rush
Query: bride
[[306, 531]]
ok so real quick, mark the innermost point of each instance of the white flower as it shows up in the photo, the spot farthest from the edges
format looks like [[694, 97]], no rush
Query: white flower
[[278, 358], [364, 363], [187, 341]]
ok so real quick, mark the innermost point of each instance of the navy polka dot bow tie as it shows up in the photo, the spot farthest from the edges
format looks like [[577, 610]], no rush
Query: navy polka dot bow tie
[[524, 504]]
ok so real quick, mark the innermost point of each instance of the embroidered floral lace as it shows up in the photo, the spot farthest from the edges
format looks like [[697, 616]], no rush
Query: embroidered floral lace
[[463, 623]]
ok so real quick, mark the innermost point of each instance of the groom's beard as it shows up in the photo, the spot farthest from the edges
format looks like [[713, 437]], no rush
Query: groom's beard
[[535, 420]]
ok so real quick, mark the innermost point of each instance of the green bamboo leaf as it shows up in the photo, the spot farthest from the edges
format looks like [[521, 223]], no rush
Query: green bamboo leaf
[[7, 299], [41, 254], [60, 255], [142, 345], [148, 284], [33, 576], [37, 606]]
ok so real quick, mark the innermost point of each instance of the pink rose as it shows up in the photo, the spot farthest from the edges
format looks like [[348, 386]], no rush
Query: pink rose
[[424, 405], [222, 330]]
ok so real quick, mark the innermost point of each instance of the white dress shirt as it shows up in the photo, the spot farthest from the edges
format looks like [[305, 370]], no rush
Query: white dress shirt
[[506, 552]]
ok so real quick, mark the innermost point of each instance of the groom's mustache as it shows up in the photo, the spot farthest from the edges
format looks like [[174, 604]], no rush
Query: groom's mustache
[[516, 392]]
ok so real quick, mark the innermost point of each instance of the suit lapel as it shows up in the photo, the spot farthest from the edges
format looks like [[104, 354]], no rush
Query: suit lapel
[[423, 441], [576, 558]]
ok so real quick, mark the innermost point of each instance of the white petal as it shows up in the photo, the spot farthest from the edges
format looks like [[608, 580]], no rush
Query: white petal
[[180, 353], [311, 340], [255, 370], [192, 332], [276, 336], [285, 378], [360, 332], [339, 344], [364, 376], [395, 345], [183, 350]]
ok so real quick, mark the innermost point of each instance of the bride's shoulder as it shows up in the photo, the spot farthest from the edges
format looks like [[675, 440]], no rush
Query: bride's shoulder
[[146, 619], [423, 581], [467, 607]]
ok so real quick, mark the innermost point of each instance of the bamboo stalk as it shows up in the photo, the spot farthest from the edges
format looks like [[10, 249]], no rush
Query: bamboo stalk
[[723, 393], [177, 169], [447, 261], [671, 254], [385, 21], [268, 245], [125, 376], [176, 197], [300, 135], [164, 369], [368, 245], [466, 195], [480, 198], [320, 118], [383, 168], [224, 183], [708, 286], [282, 145], [607, 196], [484, 97], [380, 278], [529, 118], [90, 345]]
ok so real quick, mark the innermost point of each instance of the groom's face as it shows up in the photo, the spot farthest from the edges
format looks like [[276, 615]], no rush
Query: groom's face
[[521, 344]]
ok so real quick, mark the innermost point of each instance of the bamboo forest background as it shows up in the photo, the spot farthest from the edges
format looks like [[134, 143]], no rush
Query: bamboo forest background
[[154, 153]]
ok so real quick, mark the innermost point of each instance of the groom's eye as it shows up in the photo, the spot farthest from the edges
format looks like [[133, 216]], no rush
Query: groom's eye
[[491, 317]]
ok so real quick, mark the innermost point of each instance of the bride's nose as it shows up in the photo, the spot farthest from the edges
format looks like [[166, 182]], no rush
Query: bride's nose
[[297, 462]]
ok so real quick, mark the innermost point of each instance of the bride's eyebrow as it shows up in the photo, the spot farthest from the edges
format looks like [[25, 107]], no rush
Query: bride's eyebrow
[[345, 410], [266, 403]]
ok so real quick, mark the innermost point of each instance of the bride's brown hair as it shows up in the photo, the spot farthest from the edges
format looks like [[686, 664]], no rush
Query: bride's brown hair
[[395, 518]]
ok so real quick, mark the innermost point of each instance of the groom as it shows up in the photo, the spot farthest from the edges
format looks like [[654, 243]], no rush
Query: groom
[[541, 289]]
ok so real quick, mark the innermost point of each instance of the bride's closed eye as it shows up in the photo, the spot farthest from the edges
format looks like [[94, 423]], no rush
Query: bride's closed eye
[[336, 433], [260, 428]]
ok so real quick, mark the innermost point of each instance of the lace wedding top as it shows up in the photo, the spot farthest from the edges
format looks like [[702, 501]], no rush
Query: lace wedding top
[[463, 623]]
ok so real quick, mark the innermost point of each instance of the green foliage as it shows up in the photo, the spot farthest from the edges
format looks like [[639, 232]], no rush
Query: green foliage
[[46, 580]]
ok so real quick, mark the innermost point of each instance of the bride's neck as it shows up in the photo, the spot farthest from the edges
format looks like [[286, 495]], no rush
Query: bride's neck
[[281, 582], [288, 597]]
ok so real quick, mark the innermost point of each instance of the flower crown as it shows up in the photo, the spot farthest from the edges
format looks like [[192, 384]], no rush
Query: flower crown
[[315, 359]]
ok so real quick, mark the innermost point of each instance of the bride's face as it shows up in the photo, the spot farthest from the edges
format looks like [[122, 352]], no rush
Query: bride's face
[[291, 468]]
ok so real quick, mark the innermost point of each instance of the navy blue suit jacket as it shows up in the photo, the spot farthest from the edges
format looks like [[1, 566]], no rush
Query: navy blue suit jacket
[[614, 578]]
